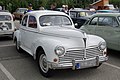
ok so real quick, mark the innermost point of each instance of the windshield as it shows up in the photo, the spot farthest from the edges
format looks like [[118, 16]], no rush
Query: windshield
[[54, 20], [5, 18], [21, 10], [80, 14]]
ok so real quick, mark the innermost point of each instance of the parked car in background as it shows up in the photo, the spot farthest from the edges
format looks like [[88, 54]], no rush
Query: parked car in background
[[79, 16], [107, 11], [107, 26], [59, 9], [6, 23], [19, 13], [50, 37]]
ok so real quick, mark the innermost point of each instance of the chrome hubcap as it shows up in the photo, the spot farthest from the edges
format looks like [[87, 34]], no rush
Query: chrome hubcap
[[43, 63]]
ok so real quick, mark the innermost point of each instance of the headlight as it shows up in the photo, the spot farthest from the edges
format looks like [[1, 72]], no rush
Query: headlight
[[102, 46], [59, 50]]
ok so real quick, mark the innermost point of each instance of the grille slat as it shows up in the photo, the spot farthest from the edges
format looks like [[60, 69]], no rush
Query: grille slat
[[93, 52], [9, 25], [79, 55]]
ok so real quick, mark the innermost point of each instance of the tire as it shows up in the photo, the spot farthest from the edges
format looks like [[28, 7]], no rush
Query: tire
[[19, 49], [43, 65]]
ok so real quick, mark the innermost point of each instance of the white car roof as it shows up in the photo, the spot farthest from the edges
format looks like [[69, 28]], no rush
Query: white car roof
[[5, 13], [45, 12]]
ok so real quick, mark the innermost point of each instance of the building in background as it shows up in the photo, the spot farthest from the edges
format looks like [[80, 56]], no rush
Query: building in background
[[102, 4]]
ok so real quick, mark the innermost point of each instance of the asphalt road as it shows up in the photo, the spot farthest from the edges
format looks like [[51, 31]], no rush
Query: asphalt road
[[16, 66]]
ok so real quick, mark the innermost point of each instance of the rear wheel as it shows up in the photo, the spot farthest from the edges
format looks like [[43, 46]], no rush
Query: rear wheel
[[43, 65]]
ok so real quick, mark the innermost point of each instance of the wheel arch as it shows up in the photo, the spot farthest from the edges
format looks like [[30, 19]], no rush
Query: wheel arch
[[39, 48], [16, 35]]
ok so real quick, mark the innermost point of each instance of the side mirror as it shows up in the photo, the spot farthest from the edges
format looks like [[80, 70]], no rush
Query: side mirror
[[76, 24]]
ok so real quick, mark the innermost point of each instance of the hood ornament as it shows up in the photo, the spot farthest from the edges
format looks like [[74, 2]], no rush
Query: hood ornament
[[85, 43]]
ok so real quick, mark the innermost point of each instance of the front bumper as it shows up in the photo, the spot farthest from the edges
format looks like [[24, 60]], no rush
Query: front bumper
[[79, 64]]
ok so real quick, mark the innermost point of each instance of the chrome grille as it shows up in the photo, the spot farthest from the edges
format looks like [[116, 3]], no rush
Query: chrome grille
[[79, 55], [93, 52], [9, 25]]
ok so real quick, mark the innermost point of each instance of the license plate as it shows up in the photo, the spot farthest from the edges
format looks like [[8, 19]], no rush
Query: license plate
[[77, 65], [85, 64]]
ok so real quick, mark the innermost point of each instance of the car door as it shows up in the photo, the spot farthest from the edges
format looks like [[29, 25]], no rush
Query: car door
[[23, 30], [118, 30], [31, 32], [108, 29]]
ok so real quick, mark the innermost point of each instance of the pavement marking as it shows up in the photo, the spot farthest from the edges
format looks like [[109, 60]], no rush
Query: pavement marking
[[114, 66], [10, 77], [7, 45]]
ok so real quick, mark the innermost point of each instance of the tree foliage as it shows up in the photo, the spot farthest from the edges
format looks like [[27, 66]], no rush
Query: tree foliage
[[11, 5], [115, 2]]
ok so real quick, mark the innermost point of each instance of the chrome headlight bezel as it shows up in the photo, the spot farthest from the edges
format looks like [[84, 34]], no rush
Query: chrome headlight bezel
[[102, 46], [59, 50]]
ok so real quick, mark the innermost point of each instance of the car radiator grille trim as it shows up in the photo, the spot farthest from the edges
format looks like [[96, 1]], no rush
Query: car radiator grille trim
[[9, 25], [79, 55]]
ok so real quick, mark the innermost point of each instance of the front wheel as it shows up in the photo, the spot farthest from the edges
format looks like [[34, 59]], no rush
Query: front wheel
[[19, 49], [43, 66]]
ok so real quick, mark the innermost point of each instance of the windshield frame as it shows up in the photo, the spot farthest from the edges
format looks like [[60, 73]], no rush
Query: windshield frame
[[55, 25], [3, 19]]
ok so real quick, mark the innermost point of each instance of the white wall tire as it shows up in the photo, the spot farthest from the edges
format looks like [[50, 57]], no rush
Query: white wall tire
[[43, 65]]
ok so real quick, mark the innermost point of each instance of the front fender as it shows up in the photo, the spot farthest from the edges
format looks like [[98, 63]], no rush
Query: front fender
[[48, 46], [16, 35], [94, 40]]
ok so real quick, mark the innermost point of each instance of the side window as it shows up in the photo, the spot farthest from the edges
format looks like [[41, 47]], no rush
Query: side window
[[107, 21], [73, 14], [103, 21], [94, 21], [24, 21], [32, 22], [115, 23], [81, 14]]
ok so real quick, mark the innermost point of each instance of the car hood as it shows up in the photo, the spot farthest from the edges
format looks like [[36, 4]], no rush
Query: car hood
[[63, 32]]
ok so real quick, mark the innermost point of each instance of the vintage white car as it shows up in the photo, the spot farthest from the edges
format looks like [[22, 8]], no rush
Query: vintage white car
[[6, 24], [52, 40]]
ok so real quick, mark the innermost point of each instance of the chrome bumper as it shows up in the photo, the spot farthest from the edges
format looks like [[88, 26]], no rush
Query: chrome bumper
[[79, 64]]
